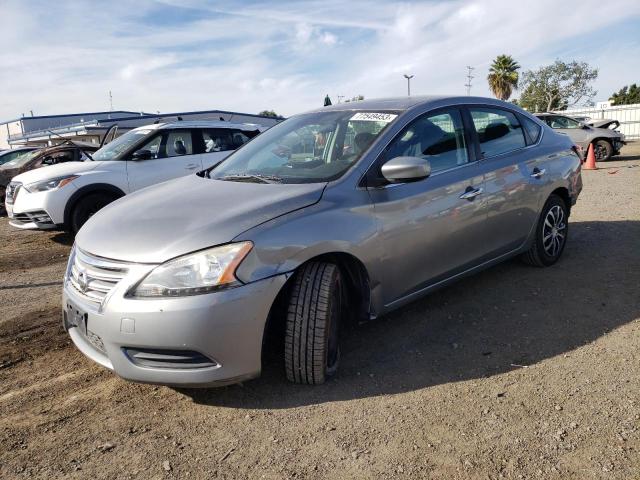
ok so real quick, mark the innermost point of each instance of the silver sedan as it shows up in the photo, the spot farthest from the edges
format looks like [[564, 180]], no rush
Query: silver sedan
[[339, 215]]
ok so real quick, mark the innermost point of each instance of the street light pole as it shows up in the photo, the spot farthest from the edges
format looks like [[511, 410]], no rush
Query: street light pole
[[408, 77]]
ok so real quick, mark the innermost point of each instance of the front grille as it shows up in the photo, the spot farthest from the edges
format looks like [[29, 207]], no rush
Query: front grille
[[12, 192], [39, 217], [94, 277]]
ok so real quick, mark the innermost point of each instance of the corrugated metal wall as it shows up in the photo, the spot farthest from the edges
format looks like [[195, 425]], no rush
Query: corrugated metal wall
[[627, 115]]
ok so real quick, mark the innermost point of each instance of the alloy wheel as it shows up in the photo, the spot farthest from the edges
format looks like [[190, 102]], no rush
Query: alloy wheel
[[554, 231]]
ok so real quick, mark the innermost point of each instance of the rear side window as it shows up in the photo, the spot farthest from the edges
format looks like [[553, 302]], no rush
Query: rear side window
[[223, 139], [532, 129], [499, 131]]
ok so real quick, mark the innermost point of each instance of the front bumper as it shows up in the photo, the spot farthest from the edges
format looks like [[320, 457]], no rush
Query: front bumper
[[226, 328]]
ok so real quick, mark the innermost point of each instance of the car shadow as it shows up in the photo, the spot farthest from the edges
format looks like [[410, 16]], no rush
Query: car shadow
[[63, 238], [508, 317]]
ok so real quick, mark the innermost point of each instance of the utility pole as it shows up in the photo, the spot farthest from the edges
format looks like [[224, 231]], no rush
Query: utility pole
[[110, 101], [408, 77], [469, 78]]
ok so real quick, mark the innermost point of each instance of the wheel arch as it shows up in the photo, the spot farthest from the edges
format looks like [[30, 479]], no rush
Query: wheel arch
[[563, 192], [358, 287], [87, 190]]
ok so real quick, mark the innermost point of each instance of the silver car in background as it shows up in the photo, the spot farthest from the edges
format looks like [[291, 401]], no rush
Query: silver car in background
[[606, 141], [339, 215]]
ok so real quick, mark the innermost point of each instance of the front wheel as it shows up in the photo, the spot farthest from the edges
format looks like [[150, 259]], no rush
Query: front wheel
[[551, 234], [311, 351], [87, 207]]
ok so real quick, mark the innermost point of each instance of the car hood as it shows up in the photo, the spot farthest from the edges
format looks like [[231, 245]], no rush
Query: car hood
[[53, 171], [187, 214]]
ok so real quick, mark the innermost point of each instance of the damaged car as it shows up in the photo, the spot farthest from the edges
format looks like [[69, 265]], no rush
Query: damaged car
[[36, 158], [606, 141]]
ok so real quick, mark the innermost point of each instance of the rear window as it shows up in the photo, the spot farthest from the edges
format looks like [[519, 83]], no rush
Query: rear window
[[532, 129]]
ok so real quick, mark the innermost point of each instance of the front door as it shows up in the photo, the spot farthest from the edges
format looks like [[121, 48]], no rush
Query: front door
[[430, 229], [172, 156]]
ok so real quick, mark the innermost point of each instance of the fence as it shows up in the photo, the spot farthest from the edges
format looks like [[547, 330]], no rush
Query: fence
[[627, 115]]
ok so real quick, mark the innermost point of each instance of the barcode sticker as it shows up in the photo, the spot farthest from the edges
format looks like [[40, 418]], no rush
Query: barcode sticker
[[374, 117]]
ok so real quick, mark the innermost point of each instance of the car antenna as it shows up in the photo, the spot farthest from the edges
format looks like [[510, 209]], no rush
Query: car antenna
[[72, 143]]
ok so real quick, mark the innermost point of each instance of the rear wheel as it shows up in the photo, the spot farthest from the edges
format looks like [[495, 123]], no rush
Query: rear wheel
[[87, 207], [551, 234], [311, 350], [603, 150]]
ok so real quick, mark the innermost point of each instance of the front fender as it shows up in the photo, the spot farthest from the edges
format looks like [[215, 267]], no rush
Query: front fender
[[336, 224]]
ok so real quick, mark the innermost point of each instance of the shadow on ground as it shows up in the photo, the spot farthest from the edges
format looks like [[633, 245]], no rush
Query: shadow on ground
[[504, 318]]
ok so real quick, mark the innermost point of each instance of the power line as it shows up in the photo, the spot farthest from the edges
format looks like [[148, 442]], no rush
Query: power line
[[469, 78]]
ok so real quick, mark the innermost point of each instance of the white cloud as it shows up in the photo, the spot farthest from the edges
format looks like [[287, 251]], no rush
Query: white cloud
[[285, 55]]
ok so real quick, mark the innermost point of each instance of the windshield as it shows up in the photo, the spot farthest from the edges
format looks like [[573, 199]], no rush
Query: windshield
[[20, 160], [309, 148], [113, 150]]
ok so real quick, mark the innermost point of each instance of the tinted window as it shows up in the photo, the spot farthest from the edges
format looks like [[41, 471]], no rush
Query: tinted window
[[179, 143], [498, 130], [436, 137], [223, 139], [532, 128]]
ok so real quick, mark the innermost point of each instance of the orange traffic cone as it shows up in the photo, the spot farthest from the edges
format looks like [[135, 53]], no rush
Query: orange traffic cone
[[590, 164]]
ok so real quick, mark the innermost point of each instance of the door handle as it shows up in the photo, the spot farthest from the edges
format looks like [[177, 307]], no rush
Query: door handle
[[537, 173], [471, 193]]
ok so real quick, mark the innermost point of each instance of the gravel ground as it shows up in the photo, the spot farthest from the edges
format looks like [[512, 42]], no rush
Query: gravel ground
[[516, 372]]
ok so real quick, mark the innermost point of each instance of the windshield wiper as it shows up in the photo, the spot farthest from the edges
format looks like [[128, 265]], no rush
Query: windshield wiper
[[256, 178]]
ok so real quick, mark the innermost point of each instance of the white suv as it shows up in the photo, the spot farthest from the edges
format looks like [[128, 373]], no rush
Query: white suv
[[66, 195]]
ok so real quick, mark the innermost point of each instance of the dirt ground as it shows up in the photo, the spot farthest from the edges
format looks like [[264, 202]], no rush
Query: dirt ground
[[516, 372]]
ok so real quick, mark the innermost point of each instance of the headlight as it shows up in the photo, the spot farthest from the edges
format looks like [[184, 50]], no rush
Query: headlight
[[51, 184], [195, 273]]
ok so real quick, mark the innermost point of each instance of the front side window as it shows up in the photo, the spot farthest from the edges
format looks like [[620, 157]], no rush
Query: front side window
[[558, 121], [309, 148], [438, 137], [154, 147], [179, 143], [499, 131]]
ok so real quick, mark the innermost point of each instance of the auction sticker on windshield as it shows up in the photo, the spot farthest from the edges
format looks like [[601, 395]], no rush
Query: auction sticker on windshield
[[374, 117]]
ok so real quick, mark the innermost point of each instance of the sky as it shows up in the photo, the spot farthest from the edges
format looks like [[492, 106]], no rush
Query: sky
[[247, 56]]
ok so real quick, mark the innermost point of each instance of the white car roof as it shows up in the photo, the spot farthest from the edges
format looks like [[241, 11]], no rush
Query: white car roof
[[250, 127]]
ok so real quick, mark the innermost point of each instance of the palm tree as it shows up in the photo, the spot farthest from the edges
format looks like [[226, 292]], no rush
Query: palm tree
[[503, 76]]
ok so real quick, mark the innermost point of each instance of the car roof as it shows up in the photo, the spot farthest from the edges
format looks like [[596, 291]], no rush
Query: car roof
[[201, 124], [406, 103]]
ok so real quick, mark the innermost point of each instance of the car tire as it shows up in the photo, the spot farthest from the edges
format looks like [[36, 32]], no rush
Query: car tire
[[549, 242], [603, 150], [86, 207], [311, 350]]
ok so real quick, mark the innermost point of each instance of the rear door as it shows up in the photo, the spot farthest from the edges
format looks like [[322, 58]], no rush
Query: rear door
[[513, 178], [430, 228], [173, 156]]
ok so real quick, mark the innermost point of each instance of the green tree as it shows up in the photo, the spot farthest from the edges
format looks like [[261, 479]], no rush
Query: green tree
[[269, 113], [503, 76], [627, 95], [557, 86]]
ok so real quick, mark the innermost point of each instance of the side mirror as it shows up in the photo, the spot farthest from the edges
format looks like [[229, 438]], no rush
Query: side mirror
[[406, 169], [142, 155]]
